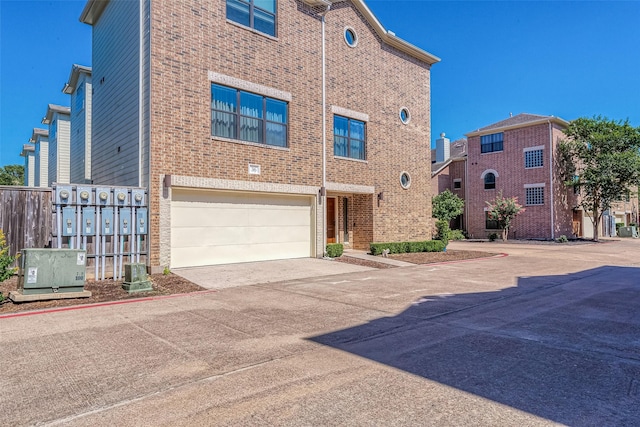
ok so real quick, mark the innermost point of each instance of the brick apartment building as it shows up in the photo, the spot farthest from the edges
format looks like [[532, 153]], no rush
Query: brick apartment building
[[516, 156], [448, 172], [263, 130]]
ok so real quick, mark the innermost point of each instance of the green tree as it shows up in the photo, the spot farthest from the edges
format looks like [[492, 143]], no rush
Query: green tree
[[12, 175], [504, 210], [601, 159], [446, 206]]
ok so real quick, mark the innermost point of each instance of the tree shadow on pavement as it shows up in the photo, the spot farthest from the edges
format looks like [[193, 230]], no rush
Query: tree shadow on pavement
[[565, 348]]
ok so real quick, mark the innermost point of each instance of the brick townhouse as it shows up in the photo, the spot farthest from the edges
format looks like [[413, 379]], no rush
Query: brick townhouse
[[263, 130], [516, 156]]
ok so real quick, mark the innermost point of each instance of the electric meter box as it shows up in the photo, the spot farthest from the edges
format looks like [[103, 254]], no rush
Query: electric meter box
[[52, 271]]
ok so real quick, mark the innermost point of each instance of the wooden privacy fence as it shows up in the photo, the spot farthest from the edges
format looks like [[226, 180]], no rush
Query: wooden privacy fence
[[110, 223], [25, 217]]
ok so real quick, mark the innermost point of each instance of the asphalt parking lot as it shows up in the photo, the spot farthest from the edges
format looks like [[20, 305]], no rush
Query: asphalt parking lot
[[548, 335]]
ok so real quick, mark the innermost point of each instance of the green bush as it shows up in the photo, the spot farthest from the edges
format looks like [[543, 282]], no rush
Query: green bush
[[456, 235], [619, 224], [407, 247], [5, 260], [562, 239], [335, 250], [493, 237], [442, 231]]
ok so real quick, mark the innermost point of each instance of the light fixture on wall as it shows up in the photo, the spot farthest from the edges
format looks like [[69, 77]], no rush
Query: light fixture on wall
[[380, 197], [321, 193]]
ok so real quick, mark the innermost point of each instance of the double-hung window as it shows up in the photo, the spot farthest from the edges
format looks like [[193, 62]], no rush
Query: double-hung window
[[349, 138], [257, 14], [491, 143], [237, 114]]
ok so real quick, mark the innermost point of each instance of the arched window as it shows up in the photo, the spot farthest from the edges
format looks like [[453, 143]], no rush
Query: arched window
[[489, 181]]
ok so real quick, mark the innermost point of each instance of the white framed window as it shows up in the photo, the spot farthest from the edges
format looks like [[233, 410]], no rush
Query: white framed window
[[533, 157], [457, 184], [534, 195]]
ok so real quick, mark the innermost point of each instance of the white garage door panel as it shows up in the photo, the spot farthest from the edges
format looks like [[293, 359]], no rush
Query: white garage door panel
[[219, 228]]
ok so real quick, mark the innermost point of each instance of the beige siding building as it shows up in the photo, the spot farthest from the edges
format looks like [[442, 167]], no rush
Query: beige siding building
[[29, 154], [263, 130], [79, 88], [59, 120], [40, 140]]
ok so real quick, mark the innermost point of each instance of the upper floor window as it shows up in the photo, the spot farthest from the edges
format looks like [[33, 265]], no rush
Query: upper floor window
[[535, 195], [248, 117], [257, 14], [457, 184], [489, 181], [348, 138], [533, 158], [491, 143], [79, 98]]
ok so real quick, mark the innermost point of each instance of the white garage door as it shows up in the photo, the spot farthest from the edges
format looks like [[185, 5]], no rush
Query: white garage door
[[210, 227]]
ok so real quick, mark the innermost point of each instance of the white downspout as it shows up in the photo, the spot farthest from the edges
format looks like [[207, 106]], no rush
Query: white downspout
[[323, 195], [553, 236]]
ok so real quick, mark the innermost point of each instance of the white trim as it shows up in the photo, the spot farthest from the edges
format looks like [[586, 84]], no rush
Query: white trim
[[248, 86], [542, 184], [406, 122], [539, 147], [355, 36], [406, 187], [364, 117], [350, 188], [493, 171]]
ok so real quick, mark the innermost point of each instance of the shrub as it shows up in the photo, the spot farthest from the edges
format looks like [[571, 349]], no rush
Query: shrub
[[562, 239], [407, 247], [5, 260], [456, 235], [493, 237], [166, 271], [442, 231], [618, 225], [335, 250]]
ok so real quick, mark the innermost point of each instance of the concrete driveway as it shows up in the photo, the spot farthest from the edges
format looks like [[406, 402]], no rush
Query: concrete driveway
[[548, 335], [252, 273]]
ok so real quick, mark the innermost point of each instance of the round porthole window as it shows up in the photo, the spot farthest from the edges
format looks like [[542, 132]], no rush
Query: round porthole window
[[350, 37], [405, 180], [404, 115]]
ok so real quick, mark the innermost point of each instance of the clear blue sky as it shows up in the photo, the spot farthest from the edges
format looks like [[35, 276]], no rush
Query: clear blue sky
[[567, 59]]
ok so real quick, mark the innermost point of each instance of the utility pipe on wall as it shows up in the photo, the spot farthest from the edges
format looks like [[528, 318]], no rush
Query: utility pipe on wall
[[323, 195], [553, 235]]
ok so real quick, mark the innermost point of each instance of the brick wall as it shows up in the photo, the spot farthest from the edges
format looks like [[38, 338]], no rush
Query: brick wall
[[190, 39], [513, 177]]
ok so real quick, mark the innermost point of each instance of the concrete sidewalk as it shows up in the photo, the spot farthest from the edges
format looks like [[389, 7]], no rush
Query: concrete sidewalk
[[546, 336]]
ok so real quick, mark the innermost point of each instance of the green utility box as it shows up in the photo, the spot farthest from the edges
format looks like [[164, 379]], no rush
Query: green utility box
[[51, 274], [136, 279], [628, 232]]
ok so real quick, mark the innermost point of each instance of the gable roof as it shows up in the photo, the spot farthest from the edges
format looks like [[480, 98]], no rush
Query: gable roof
[[517, 121], [457, 150], [52, 109], [76, 70], [38, 132], [94, 8]]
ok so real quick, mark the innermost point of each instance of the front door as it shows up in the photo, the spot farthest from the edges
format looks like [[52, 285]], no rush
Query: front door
[[331, 220]]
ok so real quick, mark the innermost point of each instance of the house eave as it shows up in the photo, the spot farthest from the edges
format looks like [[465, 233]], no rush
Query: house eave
[[92, 11], [552, 119], [387, 36]]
